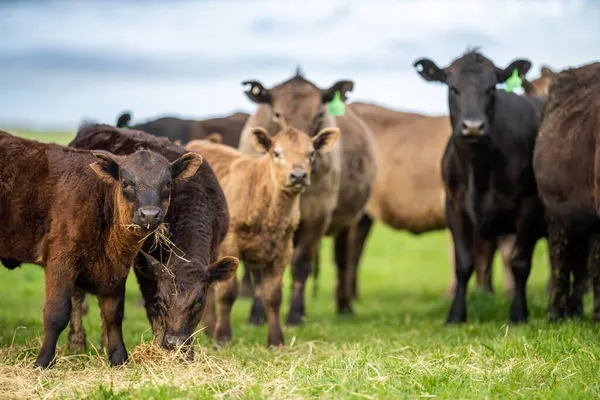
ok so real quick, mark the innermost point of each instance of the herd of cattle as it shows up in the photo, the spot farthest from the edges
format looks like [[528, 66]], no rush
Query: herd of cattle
[[184, 201]]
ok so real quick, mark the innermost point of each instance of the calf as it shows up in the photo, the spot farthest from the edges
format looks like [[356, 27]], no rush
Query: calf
[[229, 127], [342, 178], [82, 216], [487, 170], [263, 193], [174, 282], [567, 169]]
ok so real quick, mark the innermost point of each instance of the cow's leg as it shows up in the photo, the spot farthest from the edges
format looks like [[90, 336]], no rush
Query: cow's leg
[[149, 288], [362, 232], [561, 249], [77, 340], [270, 293], [594, 270], [343, 255], [247, 286], [579, 269], [451, 258], [316, 271], [257, 312], [529, 221], [483, 258], [226, 294], [57, 311], [209, 315], [506, 245], [112, 310], [306, 244], [462, 233]]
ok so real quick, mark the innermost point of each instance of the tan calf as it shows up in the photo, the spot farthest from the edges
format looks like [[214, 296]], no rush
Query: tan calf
[[263, 195]]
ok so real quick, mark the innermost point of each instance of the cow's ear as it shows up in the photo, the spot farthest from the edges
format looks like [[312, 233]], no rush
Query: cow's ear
[[261, 140], [522, 67], [325, 139], [223, 269], [430, 71], [547, 72], [186, 166], [106, 168], [342, 86], [257, 92]]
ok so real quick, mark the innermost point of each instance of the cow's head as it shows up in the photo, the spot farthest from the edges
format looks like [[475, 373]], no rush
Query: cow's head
[[143, 182], [297, 102], [471, 81], [291, 153], [180, 301], [540, 86]]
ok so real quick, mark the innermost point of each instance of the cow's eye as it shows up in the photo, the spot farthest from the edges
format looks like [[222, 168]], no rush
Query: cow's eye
[[277, 115], [166, 190], [454, 91], [128, 190], [490, 90], [276, 154]]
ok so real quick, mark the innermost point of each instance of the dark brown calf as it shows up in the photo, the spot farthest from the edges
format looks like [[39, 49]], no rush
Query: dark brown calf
[[173, 283], [82, 217]]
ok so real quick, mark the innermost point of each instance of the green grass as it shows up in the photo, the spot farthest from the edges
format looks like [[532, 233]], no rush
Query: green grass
[[396, 346]]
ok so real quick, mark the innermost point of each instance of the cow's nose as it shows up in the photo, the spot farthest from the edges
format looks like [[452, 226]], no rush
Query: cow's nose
[[472, 127], [150, 215], [298, 176], [174, 341]]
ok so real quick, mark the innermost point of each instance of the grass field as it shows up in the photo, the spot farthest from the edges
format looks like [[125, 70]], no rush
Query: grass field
[[396, 346]]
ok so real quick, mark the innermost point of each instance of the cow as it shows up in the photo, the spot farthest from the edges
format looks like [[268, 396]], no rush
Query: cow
[[82, 216], [174, 281], [409, 149], [263, 193], [487, 170], [565, 162], [342, 178], [184, 130], [539, 87]]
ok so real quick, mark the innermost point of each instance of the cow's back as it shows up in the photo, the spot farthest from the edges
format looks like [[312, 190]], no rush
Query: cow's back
[[229, 127], [567, 155], [408, 190], [41, 185]]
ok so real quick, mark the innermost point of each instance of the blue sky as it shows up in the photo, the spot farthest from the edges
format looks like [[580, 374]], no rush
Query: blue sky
[[61, 61]]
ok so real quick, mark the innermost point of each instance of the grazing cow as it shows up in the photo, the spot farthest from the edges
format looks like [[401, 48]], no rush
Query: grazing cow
[[174, 282], [566, 164], [82, 215], [184, 130], [263, 193], [540, 86], [487, 170], [409, 149], [342, 178]]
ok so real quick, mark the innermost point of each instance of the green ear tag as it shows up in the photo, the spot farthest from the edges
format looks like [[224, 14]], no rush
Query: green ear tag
[[336, 107], [514, 82]]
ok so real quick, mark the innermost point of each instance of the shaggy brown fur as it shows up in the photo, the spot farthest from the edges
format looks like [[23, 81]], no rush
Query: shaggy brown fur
[[540, 86], [263, 193], [408, 193], [566, 163], [175, 283], [342, 178], [70, 211], [183, 130]]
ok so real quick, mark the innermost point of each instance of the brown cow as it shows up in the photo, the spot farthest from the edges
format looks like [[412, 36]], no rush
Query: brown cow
[[183, 130], [174, 287], [566, 164], [82, 215], [410, 148], [342, 178], [539, 87], [263, 193]]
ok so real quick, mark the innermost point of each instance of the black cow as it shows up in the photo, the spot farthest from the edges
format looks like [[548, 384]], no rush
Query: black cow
[[487, 170]]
